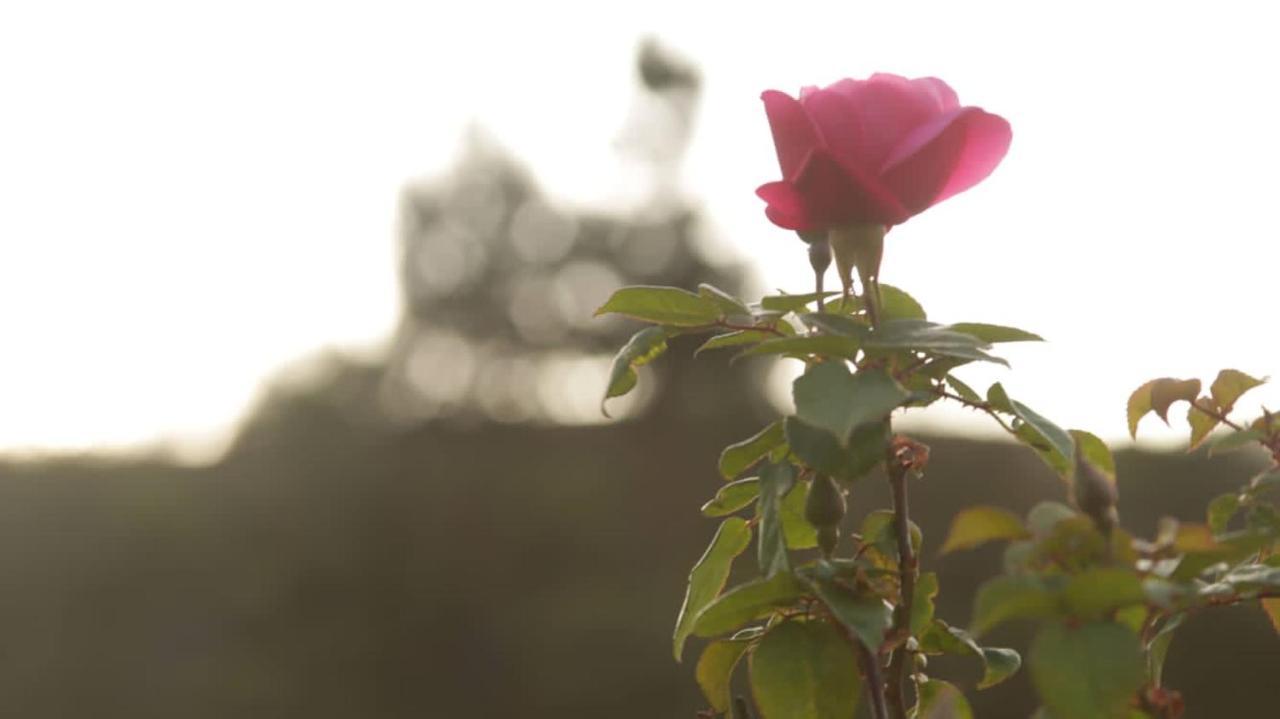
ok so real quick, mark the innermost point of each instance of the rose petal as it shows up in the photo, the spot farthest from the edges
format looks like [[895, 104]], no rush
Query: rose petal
[[861, 121], [835, 193], [938, 91], [786, 208], [945, 156], [793, 134]]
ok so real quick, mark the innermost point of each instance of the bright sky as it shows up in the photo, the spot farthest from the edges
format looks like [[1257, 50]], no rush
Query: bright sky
[[195, 194]]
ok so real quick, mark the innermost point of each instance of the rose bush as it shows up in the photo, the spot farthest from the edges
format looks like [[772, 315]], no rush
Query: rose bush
[[841, 618], [875, 151]]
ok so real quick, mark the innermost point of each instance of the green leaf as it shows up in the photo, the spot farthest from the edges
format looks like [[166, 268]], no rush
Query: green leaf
[[1095, 452], [737, 338], [998, 663], [1001, 664], [1229, 385], [1096, 592], [709, 575], [1236, 440], [819, 449], [1200, 415], [1050, 441], [1086, 672], [732, 497], [1221, 509], [715, 671], [995, 333], [922, 336], [999, 399], [1138, 407], [838, 325], [1158, 648], [1271, 605], [1166, 390], [1252, 577], [941, 700], [662, 305], [896, 304], [643, 347], [792, 303], [867, 616], [1264, 483], [727, 303], [922, 607], [1007, 598], [796, 529], [828, 397], [745, 602], [741, 456], [804, 670], [775, 481], [1045, 516], [1231, 547], [962, 389], [802, 345], [878, 530], [942, 638], [975, 526]]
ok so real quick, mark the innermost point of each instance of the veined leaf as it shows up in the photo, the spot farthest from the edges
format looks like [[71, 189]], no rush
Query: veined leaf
[[820, 450], [922, 600], [1236, 440], [727, 303], [1094, 593], [867, 616], [715, 671], [797, 531], [732, 497], [775, 481], [1229, 385], [1201, 417], [803, 670], [737, 338], [941, 700], [801, 345], [662, 305], [975, 526], [995, 333], [1086, 672], [745, 602], [792, 303], [1007, 598], [828, 397], [709, 575], [643, 347], [741, 456], [998, 663]]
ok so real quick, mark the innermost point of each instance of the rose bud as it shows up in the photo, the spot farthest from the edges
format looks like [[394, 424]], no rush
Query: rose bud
[[1095, 494]]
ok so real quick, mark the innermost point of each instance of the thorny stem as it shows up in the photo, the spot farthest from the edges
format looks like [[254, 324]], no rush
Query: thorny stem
[[875, 682], [743, 328], [1271, 442], [907, 568], [981, 406]]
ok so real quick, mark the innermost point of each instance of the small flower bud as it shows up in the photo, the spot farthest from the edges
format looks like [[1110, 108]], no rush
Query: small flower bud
[[820, 255], [825, 505], [1095, 495], [828, 539]]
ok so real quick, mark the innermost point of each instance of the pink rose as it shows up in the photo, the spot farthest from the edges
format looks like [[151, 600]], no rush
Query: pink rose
[[875, 151]]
